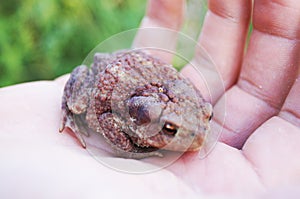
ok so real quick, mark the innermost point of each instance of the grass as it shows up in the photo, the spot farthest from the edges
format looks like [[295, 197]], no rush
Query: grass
[[45, 39]]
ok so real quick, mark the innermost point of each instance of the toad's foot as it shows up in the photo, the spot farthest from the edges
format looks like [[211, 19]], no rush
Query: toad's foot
[[70, 121]]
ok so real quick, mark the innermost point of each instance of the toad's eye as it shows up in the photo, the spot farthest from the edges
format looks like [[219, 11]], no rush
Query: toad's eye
[[170, 129], [211, 116]]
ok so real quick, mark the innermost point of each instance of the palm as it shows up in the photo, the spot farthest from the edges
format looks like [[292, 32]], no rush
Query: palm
[[49, 163], [30, 138]]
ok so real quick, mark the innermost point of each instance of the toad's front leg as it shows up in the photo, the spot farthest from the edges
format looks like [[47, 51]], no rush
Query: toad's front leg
[[119, 140], [75, 101]]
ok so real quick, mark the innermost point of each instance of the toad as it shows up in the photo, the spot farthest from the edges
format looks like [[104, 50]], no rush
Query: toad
[[138, 103]]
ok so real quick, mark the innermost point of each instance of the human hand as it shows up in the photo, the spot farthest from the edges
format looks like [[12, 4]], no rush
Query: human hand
[[46, 163], [262, 96]]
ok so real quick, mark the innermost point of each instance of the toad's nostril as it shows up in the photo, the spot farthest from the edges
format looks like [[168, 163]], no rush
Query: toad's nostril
[[211, 116]]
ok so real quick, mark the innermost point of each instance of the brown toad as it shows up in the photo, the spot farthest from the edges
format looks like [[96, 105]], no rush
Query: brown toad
[[138, 103]]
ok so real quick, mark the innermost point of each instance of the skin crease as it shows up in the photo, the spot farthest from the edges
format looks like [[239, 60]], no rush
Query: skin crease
[[257, 155]]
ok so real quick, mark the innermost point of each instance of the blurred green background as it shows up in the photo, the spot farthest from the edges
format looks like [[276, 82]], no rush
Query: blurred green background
[[43, 39]]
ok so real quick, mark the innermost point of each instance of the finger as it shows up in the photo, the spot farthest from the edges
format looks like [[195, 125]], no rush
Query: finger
[[273, 150], [159, 27], [223, 36], [164, 13], [238, 176], [268, 71], [291, 108], [274, 145]]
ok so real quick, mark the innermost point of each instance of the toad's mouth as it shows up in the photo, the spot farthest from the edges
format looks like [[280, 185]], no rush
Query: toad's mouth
[[144, 149], [151, 143]]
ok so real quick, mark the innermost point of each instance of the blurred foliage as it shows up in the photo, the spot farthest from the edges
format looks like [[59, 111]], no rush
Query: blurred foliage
[[45, 39]]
